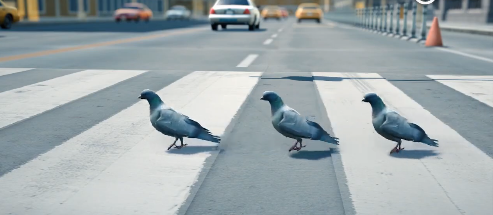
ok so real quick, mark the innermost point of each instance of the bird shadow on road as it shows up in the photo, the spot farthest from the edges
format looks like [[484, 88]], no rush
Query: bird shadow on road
[[324, 78], [190, 150], [414, 154], [317, 78], [311, 155]]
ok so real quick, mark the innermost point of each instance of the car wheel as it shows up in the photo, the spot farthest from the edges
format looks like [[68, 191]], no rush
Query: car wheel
[[118, 20], [251, 27], [257, 26], [299, 20], [7, 22], [223, 26], [137, 19], [318, 20], [147, 20], [278, 19], [214, 27]]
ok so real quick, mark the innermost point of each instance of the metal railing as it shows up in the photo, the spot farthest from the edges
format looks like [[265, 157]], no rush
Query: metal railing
[[386, 19]]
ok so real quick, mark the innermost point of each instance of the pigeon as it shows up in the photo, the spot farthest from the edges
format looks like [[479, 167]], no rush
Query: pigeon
[[291, 124], [392, 126], [171, 123]]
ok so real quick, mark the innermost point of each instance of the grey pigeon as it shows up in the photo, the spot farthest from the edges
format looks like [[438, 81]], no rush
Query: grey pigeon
[[174, 124], [393, 126], [291, 124]]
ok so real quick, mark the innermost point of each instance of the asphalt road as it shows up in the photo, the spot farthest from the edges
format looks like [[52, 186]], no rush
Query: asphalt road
[[252, 172]]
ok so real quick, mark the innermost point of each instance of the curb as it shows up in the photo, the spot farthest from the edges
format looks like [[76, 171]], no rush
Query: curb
[[467, 30], [387, 34], [59, 22]]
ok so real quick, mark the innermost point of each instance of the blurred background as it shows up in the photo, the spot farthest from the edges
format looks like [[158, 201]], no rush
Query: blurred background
[[461, 11]]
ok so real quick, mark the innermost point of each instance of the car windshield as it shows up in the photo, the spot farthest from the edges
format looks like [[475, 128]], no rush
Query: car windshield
[[132, 7], [177, 8], [272, 8], [233, 2], [310, 8]]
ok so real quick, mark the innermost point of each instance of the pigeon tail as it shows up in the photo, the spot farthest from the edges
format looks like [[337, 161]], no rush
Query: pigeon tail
[[425, 139], [209, 137], [321, 134], [329, 139], [431, 142]]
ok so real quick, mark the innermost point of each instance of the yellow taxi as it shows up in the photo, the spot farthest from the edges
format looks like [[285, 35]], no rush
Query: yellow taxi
[[8, 15], [272, 11], [309, 11]]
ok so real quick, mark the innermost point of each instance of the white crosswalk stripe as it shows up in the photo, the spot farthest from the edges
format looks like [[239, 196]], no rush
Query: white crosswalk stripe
[[121, 163], [444, 176]]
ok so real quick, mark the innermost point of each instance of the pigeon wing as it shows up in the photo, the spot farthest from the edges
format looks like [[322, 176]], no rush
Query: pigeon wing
[[292, 123], [397, 126], [173, 123]]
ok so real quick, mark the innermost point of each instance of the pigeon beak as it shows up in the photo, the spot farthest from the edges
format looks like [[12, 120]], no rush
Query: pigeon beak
[[262, 98], [140, 97], [363, 100]]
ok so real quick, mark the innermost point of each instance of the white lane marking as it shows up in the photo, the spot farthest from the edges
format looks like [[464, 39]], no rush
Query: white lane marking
[[268, 41], [457, 178], [248, 60], [8, 71], [274, 35], [24, 102], [122, 164], [477, 87], [465, 54]]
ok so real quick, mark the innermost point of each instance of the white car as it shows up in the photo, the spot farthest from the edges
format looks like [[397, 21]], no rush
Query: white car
[[178, 12], [234, 12]]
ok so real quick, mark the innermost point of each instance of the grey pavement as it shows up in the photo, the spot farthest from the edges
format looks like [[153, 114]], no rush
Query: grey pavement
[[252, 173]]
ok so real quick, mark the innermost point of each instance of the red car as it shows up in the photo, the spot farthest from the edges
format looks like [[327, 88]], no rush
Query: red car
[[284, 12]]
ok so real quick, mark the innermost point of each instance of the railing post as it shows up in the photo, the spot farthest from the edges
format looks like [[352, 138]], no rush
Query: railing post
[[423, 26], [404, 29], [378, 19], [372, 16], [381, 9], [413, 30], [391, 30], [366, 18], [397, 27], [385, 18]]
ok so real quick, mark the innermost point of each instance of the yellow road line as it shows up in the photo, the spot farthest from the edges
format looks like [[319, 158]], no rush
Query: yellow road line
[[94, 45]]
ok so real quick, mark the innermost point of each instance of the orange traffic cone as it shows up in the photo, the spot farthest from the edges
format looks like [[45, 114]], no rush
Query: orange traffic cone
[[434, 36]]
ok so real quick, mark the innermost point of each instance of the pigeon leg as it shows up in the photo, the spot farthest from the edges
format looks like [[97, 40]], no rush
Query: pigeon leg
[[294, 147], [182, 145], [397, 147], [173, 144], [301, 145]]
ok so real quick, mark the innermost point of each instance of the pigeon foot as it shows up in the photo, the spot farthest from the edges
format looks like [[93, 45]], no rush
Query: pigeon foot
[[179, 147]]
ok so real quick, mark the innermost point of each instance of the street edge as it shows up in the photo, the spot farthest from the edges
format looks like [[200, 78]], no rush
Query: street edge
[[388, 34], [32, 23], [337, 164], [209, 162]]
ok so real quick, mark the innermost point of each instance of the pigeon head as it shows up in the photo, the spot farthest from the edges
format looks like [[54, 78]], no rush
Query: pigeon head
[[270, 96], [151, 97], [148, 94], [375, 101]]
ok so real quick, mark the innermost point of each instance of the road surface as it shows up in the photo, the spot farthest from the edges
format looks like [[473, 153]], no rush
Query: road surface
[[75, 139]]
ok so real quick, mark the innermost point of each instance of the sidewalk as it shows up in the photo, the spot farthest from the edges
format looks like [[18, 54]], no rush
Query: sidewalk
[[485, 29], [482, 29]]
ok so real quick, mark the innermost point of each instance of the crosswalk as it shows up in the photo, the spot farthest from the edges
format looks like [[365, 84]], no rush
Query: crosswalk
[[57, 159]]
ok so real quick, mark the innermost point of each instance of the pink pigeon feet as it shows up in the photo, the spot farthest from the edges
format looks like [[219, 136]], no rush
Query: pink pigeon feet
[[396, 149], [295, 147]]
